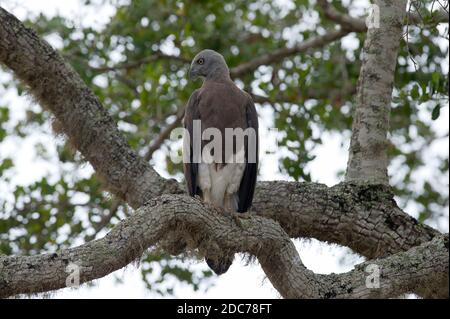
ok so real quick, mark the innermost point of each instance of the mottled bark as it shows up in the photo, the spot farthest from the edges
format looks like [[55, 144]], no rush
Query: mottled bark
[[362, 216], [205, 228], [368, 148]]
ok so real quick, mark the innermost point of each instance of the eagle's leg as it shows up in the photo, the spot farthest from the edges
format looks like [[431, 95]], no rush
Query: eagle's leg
[[204, 181], [246, 215], [231, 206], [231, 198], [207, 196], [230, 203]]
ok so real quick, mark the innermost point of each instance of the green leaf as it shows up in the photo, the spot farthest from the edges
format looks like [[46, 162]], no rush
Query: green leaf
[[415, 92], [435, 79], [436, 112], [5, 164]]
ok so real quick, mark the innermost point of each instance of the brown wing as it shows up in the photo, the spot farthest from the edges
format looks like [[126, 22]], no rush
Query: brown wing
[[248, 182], [191, 168]]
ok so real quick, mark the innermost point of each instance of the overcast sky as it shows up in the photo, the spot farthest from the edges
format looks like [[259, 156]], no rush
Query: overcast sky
[[241, 281]]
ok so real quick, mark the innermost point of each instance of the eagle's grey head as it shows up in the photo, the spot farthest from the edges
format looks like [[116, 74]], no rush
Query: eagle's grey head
[[209, 64]]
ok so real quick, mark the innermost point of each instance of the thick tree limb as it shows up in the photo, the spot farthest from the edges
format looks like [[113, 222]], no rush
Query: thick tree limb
[[368, 148], [205, 228], [363, 217]]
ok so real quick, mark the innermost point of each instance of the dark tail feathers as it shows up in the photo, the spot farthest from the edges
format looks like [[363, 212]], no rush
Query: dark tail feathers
[[221, 265]]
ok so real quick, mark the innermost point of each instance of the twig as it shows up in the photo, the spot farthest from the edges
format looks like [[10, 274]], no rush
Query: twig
[[138, 63], [407, 35], [105, 219], [164, 135], [282, 53]]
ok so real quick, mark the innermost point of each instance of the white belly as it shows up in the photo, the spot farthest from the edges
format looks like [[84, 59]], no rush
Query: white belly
[[221, 185]]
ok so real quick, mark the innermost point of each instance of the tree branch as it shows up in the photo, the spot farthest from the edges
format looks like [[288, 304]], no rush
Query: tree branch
[[363, 217], [135, 64], [334, 95], [439, 16], [280, 54], [207, 229], [105, 219], [163, 135], [346, 21]]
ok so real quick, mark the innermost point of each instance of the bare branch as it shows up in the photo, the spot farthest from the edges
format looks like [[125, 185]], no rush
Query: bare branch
[[439, 16], [164, 134], [335, 96], [280, 54], [105, 219], [346, 21], [138, 63]]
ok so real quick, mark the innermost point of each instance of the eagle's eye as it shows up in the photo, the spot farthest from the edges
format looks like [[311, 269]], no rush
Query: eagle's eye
[[201, 61]]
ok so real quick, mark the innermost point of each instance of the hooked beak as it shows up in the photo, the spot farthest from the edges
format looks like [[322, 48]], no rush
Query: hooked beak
[[193, 74]]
